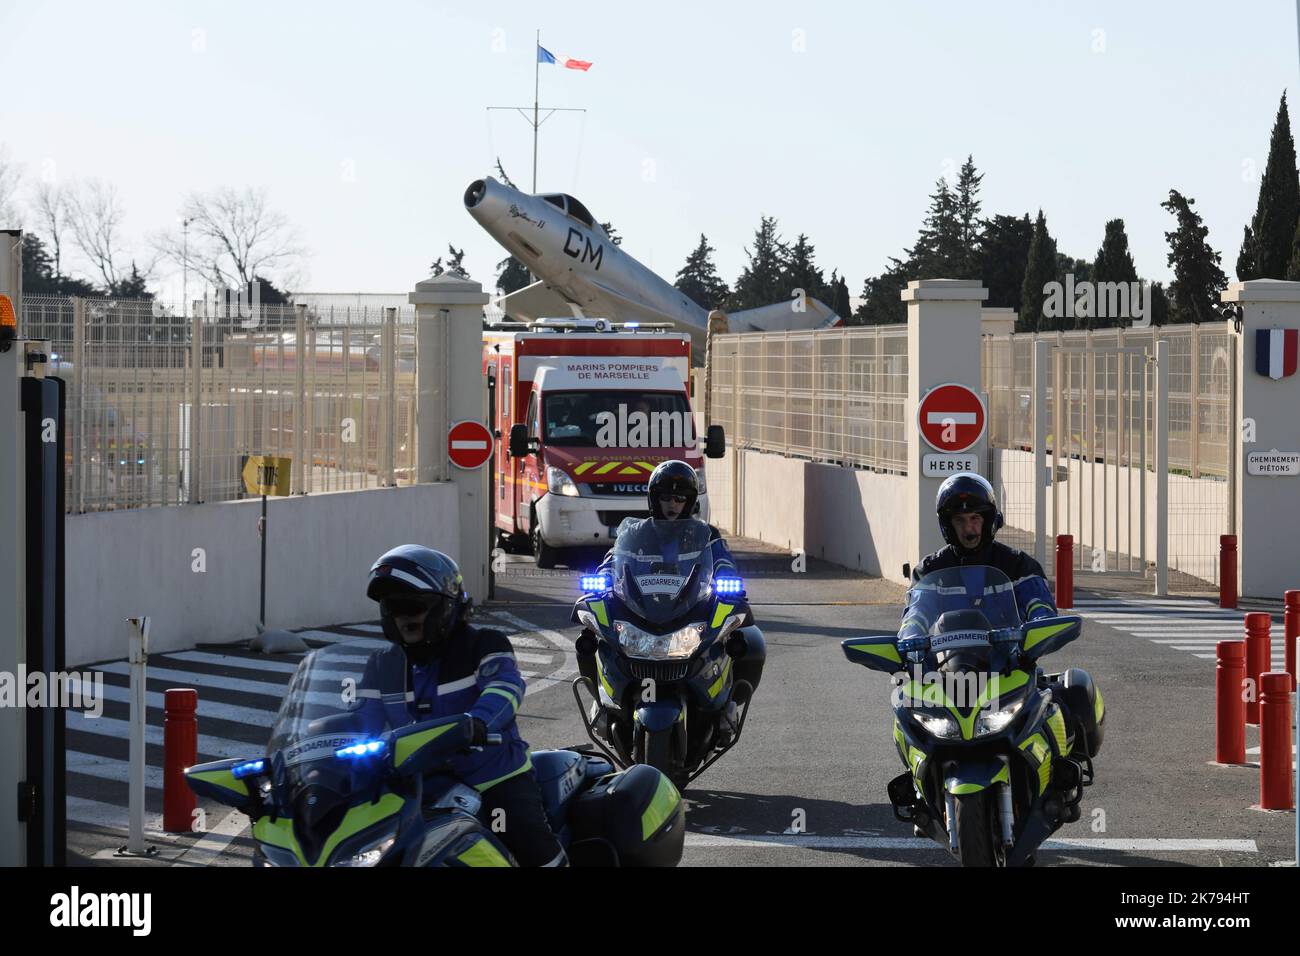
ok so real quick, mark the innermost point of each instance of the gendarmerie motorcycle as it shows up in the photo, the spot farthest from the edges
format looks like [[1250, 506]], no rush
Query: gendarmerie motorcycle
[[678, 656], [994, 766], [331, 792]]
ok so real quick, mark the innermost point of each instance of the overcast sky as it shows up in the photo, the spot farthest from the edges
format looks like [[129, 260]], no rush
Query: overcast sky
[[366, 121]]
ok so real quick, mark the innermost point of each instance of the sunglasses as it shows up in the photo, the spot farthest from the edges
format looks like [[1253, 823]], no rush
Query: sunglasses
[[408, 606]]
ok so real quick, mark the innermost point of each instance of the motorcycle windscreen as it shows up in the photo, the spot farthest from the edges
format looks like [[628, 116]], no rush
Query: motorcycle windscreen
[[663, 568], [330, 703], [978, 588]]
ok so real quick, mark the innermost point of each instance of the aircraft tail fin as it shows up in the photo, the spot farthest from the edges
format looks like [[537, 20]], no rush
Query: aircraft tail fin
[[782, 317], [535, 301]]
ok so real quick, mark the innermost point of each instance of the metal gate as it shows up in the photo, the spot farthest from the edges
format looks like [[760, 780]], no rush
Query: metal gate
[[1105, 406]]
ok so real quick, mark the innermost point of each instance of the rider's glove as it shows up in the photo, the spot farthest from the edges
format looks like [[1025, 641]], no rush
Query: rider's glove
[[477, 731]]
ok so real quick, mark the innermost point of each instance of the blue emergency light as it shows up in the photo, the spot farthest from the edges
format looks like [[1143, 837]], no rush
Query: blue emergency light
[[367, 748], [249, 769]]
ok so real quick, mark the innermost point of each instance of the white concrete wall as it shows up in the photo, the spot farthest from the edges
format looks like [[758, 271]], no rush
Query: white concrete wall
[[320, 548], [847, 516], [1193, 540]]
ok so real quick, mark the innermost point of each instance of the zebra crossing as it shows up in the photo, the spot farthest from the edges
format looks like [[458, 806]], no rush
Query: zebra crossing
[[1188, 625], [239, 692]]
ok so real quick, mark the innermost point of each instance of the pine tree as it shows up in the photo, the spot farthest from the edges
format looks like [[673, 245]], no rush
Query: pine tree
[[969, 225], [761, 281], [882, 302], [699, 278], [801, 273], [938, 253], [1039, 270], [1198, 279], [1004, 256], [455, 258], [1267, 248]]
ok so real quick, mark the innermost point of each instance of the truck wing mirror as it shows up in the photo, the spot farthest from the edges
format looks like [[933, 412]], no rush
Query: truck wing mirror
[[519, 446], [715, 446]]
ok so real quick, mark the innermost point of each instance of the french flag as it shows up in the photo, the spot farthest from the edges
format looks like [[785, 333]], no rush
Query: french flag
[[546, 56], [1276, 351]]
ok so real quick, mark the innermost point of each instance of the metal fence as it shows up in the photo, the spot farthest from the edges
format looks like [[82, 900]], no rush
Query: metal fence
[[1200, 393], [164, 407], [835, 395], [1107, 416]]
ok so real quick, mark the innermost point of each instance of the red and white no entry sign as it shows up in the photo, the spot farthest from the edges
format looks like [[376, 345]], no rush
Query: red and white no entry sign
[[469, 444], [951, 417]]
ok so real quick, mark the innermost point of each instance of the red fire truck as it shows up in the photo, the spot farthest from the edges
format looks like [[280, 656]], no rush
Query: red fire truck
[[583, 410]]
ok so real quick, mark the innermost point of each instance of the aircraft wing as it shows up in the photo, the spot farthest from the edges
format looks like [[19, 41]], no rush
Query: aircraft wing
[[536, 301]]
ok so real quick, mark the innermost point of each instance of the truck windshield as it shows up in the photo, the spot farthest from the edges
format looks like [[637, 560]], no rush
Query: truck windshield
[[617, 419]]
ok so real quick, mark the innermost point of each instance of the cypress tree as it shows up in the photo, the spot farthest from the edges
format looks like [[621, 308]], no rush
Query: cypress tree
[[1267, 248], [1114, 263], [1040, 270]]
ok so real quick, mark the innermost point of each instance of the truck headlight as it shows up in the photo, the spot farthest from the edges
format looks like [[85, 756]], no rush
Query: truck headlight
[[558, 482], [674, 645]]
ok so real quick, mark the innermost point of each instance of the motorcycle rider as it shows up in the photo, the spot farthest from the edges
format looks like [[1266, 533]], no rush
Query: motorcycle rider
[[969, 519], [437, 665], [673, 493]]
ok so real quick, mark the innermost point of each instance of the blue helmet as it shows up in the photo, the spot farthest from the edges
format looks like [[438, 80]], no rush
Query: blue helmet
[[409, 579]]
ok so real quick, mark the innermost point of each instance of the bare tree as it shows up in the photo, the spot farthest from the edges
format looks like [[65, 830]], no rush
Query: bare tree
[[9, 180], [234, 236], [95, 215], [51, 202]]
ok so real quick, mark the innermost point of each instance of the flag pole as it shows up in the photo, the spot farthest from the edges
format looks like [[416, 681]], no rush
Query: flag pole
[[537, 71]]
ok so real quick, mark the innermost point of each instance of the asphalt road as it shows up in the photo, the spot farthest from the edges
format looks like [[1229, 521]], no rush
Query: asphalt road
[[806, 785]]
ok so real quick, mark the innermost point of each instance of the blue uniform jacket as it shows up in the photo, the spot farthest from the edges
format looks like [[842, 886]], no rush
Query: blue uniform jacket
[[476, 674], [1033, 597]]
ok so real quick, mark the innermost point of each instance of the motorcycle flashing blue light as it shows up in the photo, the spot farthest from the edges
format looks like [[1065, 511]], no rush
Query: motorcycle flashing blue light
[[367, 748], [241, 770], [594, 583], [729, 585]]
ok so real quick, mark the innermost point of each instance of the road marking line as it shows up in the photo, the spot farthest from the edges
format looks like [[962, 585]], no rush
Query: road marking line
[[213, 842], [567, 670], [1111, 844], [272, 665], [217, 748]]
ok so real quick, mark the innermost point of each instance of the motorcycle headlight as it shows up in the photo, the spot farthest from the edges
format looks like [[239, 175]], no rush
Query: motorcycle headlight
[[995, 721], [675, 645], [558, 482], [938, 725], [372, 852]]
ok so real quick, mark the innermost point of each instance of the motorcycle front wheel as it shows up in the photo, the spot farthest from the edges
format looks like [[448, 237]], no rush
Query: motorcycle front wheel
[[979, 841]]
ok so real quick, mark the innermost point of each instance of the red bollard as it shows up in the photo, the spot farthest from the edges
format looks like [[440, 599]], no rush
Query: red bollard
[[1291, 631], [180, 750], [1275, 791], [1229, 705], [1064, 571], [1227, 570], [1257, 658]]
